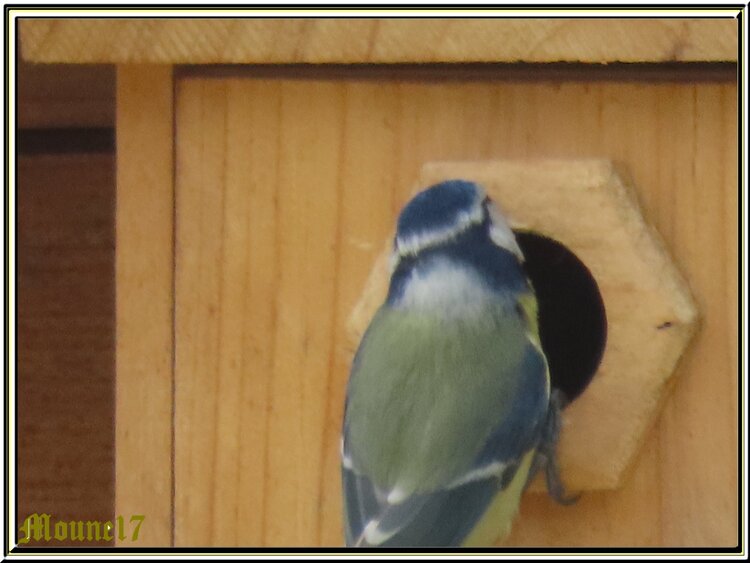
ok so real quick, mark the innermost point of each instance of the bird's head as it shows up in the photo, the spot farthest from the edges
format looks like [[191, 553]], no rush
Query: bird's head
[[441, 213], [453, 246]]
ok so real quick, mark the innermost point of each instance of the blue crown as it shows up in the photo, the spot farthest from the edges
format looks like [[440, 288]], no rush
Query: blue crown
[[438, 208]]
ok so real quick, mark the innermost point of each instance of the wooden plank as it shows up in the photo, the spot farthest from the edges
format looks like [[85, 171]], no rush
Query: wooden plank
[[378, 40], [56, 96], [66, 338], [286, 193], [145, 273], [697, 428], [250, 324]]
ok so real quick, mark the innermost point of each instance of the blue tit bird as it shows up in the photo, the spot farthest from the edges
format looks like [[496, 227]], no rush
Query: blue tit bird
[[448, 409]]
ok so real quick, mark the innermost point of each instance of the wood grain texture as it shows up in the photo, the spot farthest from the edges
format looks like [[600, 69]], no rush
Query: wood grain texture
[[145, 284], [241, 345], [321, 40], [286, 191], [56, 96], [66, 345], [690, 443]]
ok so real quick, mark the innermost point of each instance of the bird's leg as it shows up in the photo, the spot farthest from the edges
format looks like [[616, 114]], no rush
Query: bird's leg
[[546, 454]]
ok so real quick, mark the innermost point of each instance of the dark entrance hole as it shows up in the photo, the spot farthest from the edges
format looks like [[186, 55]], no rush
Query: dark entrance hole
[[572, 320]]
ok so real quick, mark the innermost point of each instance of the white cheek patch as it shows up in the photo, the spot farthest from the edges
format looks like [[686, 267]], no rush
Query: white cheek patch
[[393, 260], [501, 233]]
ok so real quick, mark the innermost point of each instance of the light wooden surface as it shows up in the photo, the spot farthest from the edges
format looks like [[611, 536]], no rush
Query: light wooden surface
[[58, 95], [285, 192], [66, 345], [379, 40], [145, 274], [587, 206]]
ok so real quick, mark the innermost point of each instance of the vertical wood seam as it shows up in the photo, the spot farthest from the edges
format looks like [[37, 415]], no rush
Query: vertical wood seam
[[334, 334], [243, 351], [274, 321], [220, 327], [173, 491]]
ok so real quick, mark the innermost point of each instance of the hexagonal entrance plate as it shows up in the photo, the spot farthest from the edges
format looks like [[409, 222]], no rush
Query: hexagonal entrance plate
[[651, 316]]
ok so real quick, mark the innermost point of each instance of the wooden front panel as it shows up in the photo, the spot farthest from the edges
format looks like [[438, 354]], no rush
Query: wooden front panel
[[285, 191]]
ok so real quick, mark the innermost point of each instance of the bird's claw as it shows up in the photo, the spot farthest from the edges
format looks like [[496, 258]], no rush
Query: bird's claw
[[546, 454]]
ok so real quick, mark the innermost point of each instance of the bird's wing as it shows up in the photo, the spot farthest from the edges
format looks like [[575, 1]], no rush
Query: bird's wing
[[443, 517], [449, 512]]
